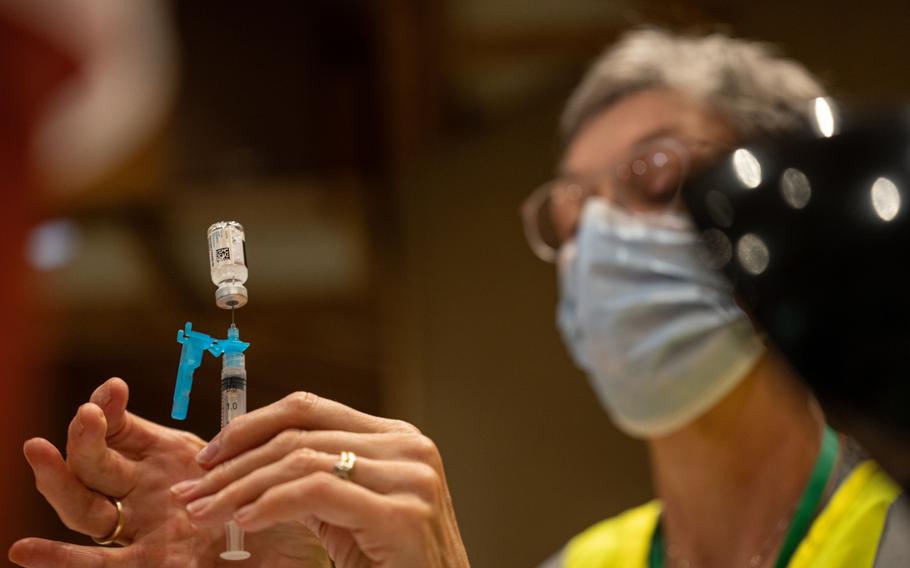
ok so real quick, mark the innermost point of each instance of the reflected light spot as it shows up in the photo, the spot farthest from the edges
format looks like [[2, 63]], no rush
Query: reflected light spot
[[52, 244], [794, 185], [660, 159], [752, 253], [747, 168], [716, 250], [824, 117], [639, 167], [886, 199]]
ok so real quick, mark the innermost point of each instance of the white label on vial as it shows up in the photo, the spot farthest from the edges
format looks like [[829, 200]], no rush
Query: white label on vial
[[226, 247]]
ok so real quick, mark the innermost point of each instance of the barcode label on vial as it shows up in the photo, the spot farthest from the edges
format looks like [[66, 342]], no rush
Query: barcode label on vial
[[214, 242], [226, 246]]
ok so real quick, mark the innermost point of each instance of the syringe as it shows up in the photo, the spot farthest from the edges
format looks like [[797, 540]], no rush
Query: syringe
[[233, 404], [233, 394], [227, 260]]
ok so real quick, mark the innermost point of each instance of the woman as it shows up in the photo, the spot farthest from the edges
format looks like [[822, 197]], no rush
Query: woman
[[746, 471]]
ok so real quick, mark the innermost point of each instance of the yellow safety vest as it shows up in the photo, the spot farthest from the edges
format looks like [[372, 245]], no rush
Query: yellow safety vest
[[845, 534]]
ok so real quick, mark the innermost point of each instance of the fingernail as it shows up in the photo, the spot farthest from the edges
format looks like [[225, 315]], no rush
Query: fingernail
[[208, 453], [104, 396], [243, 514], [184, 487], [25, 450], [198, 505], [80, 427]]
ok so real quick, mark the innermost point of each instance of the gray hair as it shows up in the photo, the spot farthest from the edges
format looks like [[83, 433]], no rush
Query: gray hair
[[759, 92]]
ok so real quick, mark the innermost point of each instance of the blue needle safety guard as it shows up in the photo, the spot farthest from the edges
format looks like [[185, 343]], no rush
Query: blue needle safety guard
[[195, 344]]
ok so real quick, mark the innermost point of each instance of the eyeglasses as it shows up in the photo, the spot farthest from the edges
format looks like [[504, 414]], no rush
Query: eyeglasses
[[646, 180]]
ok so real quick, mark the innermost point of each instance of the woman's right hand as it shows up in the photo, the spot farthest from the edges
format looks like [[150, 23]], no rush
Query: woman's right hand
[[113, 453], [282, 463]]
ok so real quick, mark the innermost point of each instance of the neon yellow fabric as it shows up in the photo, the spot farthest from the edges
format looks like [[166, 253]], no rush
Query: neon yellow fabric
[[845, 535], [848, 531], [621, 541]]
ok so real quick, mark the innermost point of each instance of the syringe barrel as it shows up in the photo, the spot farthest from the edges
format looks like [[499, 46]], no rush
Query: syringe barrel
[[233, 389], [233, 404], [233, 399]]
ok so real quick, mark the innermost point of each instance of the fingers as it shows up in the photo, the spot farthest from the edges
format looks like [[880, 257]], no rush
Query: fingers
[[377, 446], [218, 507], [392, 446], [112, 397], [232, 470], [300, 410], [385, 445], [125, 432], [384, 477], [79, 508], [321, 495], [389, 530], [341, 546], [88, 456], [40, 553]]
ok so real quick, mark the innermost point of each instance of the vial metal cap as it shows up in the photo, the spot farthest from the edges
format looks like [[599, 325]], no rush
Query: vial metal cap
[[231, 296], [223, 224]]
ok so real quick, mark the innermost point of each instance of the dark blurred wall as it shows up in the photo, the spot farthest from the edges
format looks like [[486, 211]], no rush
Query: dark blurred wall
[[854, 46]]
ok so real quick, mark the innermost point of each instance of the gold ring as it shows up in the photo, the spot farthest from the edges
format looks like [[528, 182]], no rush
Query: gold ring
[[344, 465], [121, 521]]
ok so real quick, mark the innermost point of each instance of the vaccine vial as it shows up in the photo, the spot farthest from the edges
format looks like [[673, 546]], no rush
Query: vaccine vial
[[227, 258]]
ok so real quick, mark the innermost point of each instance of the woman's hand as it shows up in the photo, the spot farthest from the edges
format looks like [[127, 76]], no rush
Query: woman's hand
[[276, 464], [113, 453]]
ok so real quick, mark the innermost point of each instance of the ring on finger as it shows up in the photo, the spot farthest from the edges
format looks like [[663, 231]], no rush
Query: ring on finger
[[121, 522], [345, 465]]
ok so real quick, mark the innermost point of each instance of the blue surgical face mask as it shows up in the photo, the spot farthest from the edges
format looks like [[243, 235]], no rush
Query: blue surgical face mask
[[656, 330]]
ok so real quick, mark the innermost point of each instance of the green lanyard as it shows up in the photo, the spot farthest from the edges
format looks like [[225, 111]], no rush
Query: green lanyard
[[802, 517]]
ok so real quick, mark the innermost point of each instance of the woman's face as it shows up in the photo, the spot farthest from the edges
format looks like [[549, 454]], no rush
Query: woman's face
[[655, 329], [629, 132], [609, 135]]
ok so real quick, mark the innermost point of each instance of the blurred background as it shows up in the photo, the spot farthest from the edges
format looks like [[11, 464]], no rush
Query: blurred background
[[376, 153]]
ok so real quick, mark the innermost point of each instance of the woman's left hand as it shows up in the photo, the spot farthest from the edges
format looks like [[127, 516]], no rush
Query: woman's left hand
[[276, 464]]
